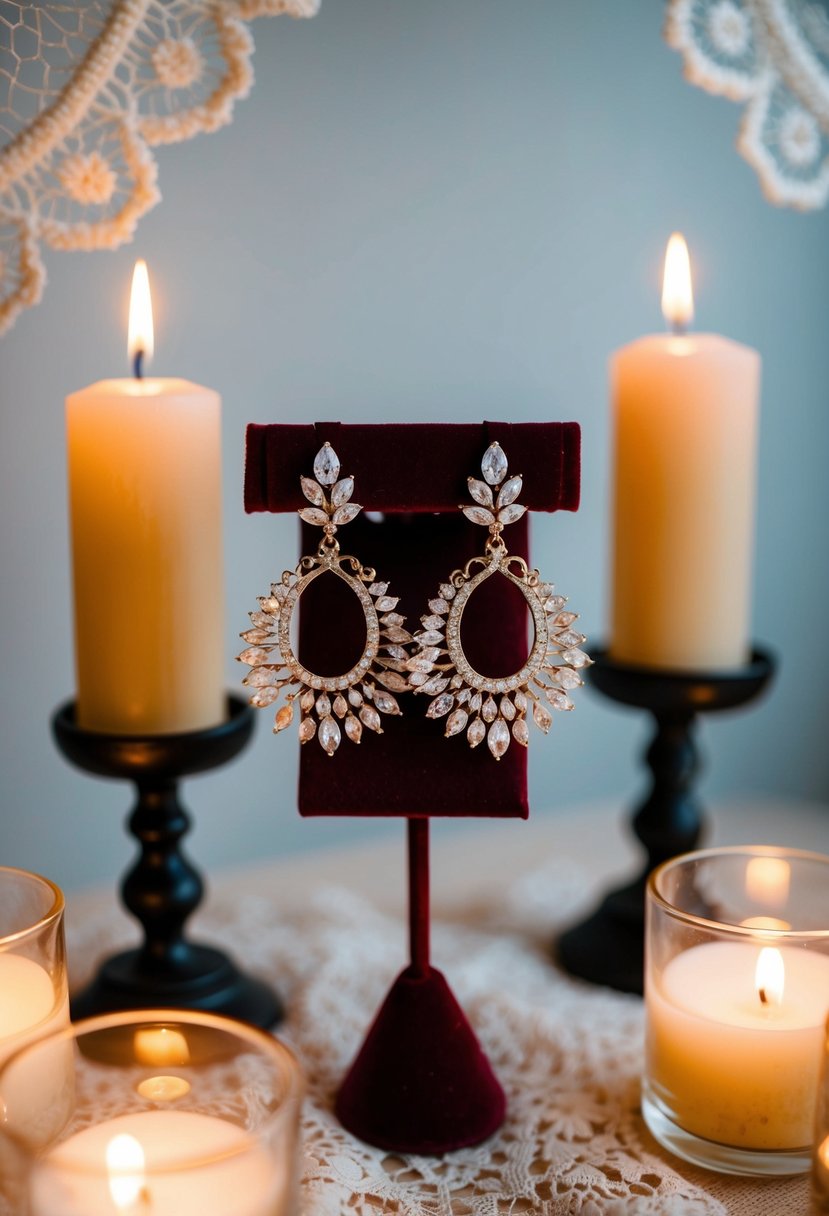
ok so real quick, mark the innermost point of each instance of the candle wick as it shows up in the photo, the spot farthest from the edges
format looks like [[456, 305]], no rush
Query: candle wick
[[138, 365], [763, 996], [679, 328]]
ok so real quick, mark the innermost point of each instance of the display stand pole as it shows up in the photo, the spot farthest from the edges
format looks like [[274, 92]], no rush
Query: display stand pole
[[418, 831]]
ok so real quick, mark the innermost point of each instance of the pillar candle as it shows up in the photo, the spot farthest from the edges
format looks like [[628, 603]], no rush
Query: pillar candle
[[685, 421], [145, 502]]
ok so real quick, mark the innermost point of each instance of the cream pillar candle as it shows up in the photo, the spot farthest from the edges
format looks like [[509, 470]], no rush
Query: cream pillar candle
[[181, 1164], [30, 1007], [733, 1060], [145, 500], [685, 421]]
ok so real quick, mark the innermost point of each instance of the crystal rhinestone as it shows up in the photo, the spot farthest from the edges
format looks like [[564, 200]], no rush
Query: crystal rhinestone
[[284, 717], [462, 695], [370, 718], [385, 702], [340, 705], [393, 618], [498, 738], [542, 716], [355, 697], [447, 591], [456, 722], [342, 491], [456, 681], [280, 590], [545, 590], [569, 637], [490, 710], [507, 709], [435, 684], [323, 706], [478, 515], [368, 691], [378, 588], [313, 515], [520, 731], [395, 634], [397, 652], [558, 700], [494, 464], [353, 728], [387, 602], [509, 491], [439, 606], [261, 676], [326, 465], [307, 729], [480, 491], [428, 622], [270, 604], [555, 603], [393, 680], [440, 706], [329, 735], [564, 619], [520, 701], [576, 658], [428, 637], [263, 620], [265, 696], [476, 733], [430, 653], [307, 699], [418, 663], [312, 491], [417, 678], [344, 515], [565, 677], [509, 515], [255, 655], [256, 635], [475, 702]]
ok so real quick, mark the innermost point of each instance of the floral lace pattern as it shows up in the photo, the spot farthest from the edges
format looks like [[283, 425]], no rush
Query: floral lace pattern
[[569, 1057], [85, 91], [773, 55]]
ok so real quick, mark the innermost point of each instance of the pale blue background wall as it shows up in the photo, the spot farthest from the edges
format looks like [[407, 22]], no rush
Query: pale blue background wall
[[445, 210]]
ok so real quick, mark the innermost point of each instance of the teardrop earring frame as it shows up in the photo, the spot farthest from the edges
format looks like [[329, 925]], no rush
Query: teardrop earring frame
[[440, 668], [357, 700]]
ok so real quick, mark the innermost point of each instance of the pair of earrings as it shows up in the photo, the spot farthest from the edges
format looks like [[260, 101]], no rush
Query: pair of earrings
[[495, 709]]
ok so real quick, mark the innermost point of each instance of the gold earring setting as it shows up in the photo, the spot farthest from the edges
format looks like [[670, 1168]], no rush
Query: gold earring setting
[[353, 698], [484, 707]]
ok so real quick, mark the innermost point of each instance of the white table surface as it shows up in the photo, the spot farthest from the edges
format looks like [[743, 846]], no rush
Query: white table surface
[[468, 857]]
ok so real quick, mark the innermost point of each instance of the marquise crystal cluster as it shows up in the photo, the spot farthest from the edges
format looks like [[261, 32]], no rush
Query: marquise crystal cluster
[[330, 706], [484, 707]]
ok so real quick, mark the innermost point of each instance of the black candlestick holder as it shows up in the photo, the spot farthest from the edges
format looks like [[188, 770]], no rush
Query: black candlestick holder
[[163, 888], [608, 947]]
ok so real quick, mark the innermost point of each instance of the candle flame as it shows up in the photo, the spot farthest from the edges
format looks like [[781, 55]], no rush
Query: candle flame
[[677, 292], [768, 880], [770, 976], [140, 338], [125, 1164]]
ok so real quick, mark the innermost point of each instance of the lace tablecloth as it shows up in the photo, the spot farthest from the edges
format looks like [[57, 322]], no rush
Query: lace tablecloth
[[328, 930]]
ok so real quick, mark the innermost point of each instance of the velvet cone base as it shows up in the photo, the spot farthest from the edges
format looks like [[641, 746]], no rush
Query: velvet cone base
[[421, 1083]]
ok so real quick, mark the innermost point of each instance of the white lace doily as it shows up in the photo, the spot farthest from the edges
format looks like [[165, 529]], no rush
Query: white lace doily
[[773, 55], [568, 1056], [86, 89]]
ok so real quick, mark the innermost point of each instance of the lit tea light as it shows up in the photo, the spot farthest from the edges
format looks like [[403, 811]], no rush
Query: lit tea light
[[125, 1169], [160, 1046]]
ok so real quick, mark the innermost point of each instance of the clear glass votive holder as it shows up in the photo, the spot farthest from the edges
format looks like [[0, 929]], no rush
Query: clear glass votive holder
[[736, 998], [161, 1113], [820, 1160], [34, 997]]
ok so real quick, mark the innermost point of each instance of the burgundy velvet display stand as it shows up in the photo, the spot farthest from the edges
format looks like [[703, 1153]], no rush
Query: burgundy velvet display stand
[[420, 1082]]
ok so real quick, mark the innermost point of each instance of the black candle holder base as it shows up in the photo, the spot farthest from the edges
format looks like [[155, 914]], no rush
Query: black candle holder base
[[163, 888], [608, 947]]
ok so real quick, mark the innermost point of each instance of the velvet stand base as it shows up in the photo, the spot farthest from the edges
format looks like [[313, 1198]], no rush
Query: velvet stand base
[[163, 889], [608, 947], [420, 1082]]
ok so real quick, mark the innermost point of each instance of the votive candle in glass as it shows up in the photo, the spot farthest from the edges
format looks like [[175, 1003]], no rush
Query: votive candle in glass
[[166, 1113], [736, 997]]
